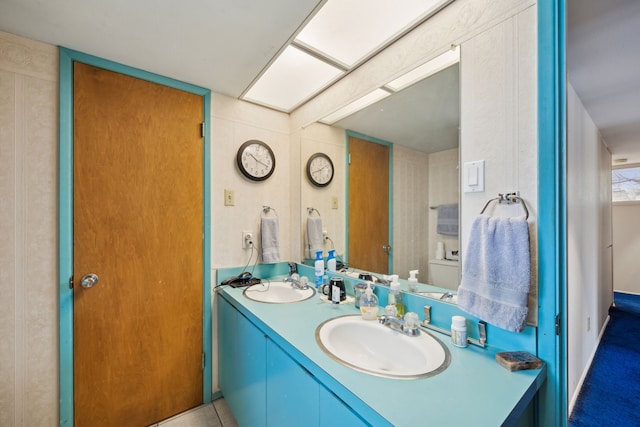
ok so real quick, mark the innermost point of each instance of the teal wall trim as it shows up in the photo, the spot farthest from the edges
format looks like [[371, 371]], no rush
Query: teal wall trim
[[552, 400], [65, 222], [348, 134]]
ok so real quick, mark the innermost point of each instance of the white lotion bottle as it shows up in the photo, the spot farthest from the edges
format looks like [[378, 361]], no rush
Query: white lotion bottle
[[459, 331], [413, 281]]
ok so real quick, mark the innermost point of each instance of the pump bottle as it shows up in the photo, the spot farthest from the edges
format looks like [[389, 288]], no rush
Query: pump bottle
[[395, 297], [331, 261], [413, 281], [319, 268]]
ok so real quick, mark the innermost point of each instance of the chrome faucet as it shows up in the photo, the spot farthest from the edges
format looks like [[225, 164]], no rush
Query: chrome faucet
[[297, 282], [407, 326]]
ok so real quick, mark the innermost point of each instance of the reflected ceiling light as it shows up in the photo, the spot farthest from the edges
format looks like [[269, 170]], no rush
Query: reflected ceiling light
[[291, 79], [357, 105], [349, 31], [427, 69]]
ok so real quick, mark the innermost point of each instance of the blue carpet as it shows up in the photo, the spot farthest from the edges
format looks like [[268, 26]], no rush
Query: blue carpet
[[610, 395]]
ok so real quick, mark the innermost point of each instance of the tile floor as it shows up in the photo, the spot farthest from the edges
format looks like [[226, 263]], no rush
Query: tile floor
[[216, 414]]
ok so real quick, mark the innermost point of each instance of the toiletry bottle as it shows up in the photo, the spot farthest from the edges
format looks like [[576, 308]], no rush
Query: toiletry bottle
[[459, 331], [369, 304], [395, 297], [319, 268], [413, 281], [331, 261]]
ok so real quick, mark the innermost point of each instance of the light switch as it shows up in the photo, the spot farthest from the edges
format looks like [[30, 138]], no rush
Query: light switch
[[229, 197], [474, 176]]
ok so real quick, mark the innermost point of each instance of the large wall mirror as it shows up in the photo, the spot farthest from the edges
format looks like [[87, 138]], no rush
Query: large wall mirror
[[493, 92], [419, 125]]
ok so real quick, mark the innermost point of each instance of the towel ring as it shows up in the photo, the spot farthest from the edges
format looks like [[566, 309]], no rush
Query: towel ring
[[508, 198], [266, 209], [311, 210]]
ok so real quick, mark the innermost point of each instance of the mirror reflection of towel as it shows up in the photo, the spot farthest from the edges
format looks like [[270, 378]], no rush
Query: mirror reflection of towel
[[270, 235], [448, 220], [314, 237], [496, 272]]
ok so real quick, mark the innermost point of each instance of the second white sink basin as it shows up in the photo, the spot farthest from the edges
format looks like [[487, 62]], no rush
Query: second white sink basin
[[277, 292], [368, 346]]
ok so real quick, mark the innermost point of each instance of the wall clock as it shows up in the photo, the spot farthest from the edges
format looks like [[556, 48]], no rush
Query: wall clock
[[256, 160], [320, 170]]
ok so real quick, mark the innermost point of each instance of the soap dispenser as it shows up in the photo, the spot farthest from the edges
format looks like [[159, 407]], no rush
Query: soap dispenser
[[413, 281], [395, 297], [331, 261], [319, 268], [369, 304]]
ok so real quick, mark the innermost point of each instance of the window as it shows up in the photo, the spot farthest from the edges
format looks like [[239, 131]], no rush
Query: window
[[626, 184]]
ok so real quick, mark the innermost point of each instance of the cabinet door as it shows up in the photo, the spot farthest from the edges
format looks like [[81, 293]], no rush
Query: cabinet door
[[242, 366], [292, 392], [335, 413]]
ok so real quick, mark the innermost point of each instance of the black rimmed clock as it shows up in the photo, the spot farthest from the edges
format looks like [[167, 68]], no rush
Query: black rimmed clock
[[255, 160], [320, 169]]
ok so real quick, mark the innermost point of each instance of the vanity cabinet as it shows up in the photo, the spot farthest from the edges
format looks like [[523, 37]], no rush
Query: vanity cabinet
[[264, 386]]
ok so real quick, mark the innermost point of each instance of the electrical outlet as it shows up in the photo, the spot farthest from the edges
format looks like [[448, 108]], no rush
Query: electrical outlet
[[334, 202], [229, 197], [247, 239]]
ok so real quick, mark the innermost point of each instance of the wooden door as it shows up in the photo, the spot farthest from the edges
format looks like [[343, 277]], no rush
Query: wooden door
[[368, 205], [138, 226]]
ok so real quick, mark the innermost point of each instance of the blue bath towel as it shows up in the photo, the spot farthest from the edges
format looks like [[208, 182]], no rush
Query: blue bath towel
[[270, 237], [448, 220], [496, 272]]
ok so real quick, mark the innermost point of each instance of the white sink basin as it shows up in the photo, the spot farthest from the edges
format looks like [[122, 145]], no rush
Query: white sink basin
[[368, 346], [277, 293]]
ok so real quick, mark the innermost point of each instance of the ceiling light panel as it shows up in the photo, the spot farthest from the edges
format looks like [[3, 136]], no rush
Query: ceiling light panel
[[427, 69], [348, 31], [291, 79], [357, 105]]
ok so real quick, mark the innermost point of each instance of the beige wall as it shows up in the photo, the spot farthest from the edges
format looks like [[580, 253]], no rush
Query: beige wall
[[588, 238], [444, 188], [499, 124], [28, 243], [626, 247]]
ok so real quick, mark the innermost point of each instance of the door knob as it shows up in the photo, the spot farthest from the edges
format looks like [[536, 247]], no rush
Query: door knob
[[89, 280]]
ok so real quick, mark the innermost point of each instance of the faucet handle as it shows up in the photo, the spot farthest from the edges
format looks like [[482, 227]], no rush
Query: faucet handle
[[411, 320]]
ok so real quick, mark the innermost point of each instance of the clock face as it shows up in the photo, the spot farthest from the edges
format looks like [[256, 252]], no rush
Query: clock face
[[256, 160], [320, 170]]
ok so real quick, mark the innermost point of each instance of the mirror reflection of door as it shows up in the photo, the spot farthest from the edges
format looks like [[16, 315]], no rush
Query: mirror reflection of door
[[368, 198], [138, 155]]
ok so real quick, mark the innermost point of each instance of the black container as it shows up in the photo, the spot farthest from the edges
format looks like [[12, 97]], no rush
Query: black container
[[336, 284]]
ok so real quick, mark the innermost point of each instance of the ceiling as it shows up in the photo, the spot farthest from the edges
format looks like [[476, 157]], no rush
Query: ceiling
[[225, 44], [603, 66]]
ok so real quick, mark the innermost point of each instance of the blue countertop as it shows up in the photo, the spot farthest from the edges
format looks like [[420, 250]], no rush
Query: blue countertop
[[473, 390]]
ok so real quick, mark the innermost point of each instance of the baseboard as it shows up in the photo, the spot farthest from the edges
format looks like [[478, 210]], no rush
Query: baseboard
[[587, 367]]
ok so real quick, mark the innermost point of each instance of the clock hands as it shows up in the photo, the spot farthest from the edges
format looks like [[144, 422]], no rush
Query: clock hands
[[256, 159]]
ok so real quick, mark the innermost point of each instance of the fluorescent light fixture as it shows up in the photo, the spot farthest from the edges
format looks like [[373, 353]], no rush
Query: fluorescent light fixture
[[427, 69], [291, 79], [348, 31], [357, 105]]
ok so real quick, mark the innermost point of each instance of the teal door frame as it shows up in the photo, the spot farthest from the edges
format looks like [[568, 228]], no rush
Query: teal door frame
[[349, 134], [65, 219], [552, 263]]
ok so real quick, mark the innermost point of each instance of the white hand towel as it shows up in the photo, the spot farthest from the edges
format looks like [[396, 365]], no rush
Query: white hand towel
[[496, 272], [270, 235], [314, 237]]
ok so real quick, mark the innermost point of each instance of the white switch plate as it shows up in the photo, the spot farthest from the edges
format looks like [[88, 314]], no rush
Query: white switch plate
[[473, 179]]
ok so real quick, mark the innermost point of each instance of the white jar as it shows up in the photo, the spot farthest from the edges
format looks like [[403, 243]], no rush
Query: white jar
[[459, 331]]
